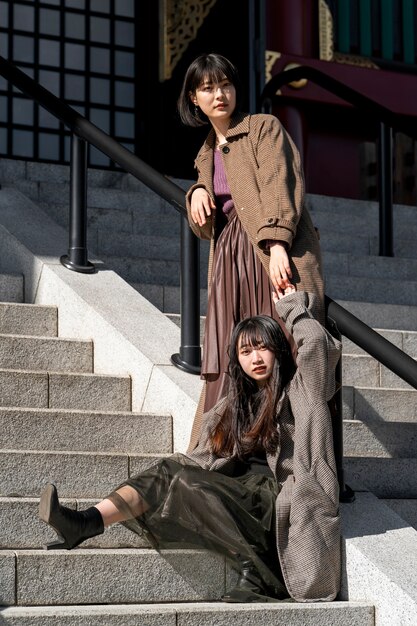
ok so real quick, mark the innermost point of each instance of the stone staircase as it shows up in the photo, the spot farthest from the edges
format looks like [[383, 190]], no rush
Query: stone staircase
[[380, 425], [61, 421]]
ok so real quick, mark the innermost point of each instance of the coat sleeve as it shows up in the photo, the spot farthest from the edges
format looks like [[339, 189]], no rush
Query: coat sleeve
[[318, 352], [206, 231], [281, 182]]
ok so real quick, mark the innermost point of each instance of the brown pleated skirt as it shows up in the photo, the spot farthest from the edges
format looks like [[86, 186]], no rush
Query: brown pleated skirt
[[240, 288]]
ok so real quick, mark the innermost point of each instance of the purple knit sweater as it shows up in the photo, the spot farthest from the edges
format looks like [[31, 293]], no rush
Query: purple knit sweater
[[222, 191], [220, 185]]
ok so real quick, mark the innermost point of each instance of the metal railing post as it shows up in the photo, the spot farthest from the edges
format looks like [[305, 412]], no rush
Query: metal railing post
[[346, 494], [386, 245], [77, 257], [189, 356]]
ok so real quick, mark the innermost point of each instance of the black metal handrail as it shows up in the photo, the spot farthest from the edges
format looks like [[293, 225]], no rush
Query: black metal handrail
[[388, 121], [372, 342], [77, 259]]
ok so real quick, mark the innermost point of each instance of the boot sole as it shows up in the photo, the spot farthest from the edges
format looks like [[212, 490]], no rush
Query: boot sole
[[45, 503], [45, 508], [243, 596]]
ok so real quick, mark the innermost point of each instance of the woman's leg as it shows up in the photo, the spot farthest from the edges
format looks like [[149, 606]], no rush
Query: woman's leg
[[74, 527], [133, 506]]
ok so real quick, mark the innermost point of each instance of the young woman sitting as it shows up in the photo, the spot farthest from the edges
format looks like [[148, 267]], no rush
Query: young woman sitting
[[260, 488]]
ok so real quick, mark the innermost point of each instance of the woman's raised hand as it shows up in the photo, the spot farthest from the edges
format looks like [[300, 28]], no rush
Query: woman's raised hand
[[287, 291], [201, 206], [279, 267]]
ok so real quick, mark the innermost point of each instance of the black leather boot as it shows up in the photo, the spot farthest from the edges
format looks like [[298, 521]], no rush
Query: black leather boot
[[72, 527], [251, 588]]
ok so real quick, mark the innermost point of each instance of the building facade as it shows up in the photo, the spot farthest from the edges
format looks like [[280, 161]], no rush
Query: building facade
[[121, 64]]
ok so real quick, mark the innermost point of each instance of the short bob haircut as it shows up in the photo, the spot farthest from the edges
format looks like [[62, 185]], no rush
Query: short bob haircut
[[213, 67]]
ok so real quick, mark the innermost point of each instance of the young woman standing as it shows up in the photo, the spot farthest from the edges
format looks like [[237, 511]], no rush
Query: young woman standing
[[249, 201]]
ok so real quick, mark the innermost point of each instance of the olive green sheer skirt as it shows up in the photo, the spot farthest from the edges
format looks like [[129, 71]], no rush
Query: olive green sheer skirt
[[187, 506]]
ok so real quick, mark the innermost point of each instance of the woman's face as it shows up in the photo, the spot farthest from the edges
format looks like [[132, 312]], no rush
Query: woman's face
[[256, 361], [216, 100]]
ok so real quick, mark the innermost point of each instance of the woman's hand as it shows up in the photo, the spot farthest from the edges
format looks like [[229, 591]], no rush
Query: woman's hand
[[287, 291], [279, 268], [201, 206]]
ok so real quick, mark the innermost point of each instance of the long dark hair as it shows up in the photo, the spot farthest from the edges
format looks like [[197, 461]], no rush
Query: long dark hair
[[249, 417], [213, 67]]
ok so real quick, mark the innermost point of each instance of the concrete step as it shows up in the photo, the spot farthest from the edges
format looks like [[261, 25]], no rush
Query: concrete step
[[347, 212], [381, 315], [373, 438], [11, 288], [194, 614], [361, 370], [167, 297], [382, 405], [372, 267], [359, 278], [137, 246], [150, 271], [28, 319], [89, 392], [405, 508], [353, 220], [373, 290], [21, 528], [24, 473], [110, 209], [405, 340], [137, 575], [45, 353], [384, 477], [332, 240], [85, 431]]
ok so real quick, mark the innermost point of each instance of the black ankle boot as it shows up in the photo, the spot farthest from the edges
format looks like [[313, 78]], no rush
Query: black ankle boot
[[251, 588], [72, 527]]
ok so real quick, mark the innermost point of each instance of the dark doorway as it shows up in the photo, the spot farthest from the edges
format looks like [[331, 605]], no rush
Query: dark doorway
[[231, 28]]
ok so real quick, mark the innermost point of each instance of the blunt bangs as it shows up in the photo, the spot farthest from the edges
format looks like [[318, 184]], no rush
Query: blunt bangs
[[259, 330], [213, 68]]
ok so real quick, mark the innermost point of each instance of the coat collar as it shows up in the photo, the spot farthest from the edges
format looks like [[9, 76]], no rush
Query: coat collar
[[239, 125]]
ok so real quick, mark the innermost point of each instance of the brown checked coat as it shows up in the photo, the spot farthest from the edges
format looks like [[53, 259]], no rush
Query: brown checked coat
[[307, 511], [263, 170]]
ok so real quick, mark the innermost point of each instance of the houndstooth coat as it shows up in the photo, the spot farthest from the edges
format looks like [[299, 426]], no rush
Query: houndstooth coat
[[264, 174], [307, 509]]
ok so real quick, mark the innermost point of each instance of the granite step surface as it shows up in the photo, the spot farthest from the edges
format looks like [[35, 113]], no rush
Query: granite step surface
[[405, 508], [194, 614], [11, 288], [45, 353], [63, 390], [380, 404], [81, 576], [21, 528], [378, 439], [24, 473], [361, 370], [28, 319], [381, 315], [85, 431], [384, 477]]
